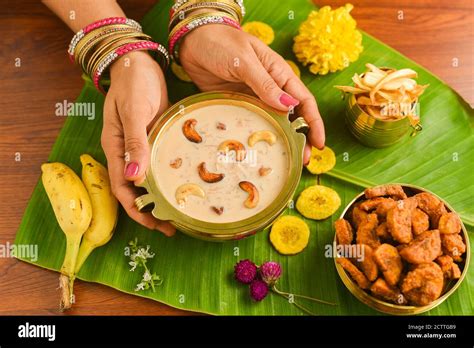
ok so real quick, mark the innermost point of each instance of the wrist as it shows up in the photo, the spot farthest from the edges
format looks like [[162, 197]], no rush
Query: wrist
[[128, 60]]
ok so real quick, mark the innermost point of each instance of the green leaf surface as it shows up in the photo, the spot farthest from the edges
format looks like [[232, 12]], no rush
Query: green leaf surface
[[198, 275]]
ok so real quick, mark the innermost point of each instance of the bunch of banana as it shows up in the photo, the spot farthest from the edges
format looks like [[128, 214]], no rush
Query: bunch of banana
[[86, 212]]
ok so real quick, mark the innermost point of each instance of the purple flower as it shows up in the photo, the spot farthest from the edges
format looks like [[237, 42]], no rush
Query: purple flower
[[245, 271], [258, 290], [270, 272]]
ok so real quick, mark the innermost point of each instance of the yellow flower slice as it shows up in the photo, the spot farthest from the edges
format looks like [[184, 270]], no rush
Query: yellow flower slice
[[180, 73], [260, 30], [289, 235], [321, 161], [294, 67], [318, 202]]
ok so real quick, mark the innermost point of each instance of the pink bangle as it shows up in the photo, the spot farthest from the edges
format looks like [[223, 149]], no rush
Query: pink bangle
[[98, 24], [124, 49], [173, 43]]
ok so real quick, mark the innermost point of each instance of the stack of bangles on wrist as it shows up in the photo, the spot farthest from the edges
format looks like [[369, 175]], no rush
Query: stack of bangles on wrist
[[183, 20], [96, 46]]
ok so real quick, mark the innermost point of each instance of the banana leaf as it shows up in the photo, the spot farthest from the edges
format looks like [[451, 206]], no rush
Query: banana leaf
[[198, 275]]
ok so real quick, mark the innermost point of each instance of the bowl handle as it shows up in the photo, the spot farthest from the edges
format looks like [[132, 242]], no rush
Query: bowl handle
[[300, 125], [144, 201]]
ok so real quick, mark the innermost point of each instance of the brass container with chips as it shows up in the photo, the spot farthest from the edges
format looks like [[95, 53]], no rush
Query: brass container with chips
[[372, 131], [291, 132], [390, 308]]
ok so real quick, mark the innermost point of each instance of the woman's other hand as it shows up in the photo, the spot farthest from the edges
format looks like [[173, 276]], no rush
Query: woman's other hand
[[219, 57], [136, 95]]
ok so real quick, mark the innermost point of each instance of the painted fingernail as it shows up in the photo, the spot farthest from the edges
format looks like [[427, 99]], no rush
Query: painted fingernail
[[288, 100], [131, 169]]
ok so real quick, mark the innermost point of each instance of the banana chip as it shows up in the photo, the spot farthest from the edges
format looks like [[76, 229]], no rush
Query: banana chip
[[260, 30], [289, 235], [321, 161], [294, 67], [387, 94], [318, 202], [180, 73]]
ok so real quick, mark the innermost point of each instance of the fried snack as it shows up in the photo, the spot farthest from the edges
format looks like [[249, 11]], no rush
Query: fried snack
[[384, 207], [382, 290], [399, 224], [318, 202], [423, 284], [289, 235], [294, 67], [394, 191], [382, 231], [449, 223], [368, 264], [354, 272], [358, 215], [424, 248], [179, 72], [260, 30], [449, 268], [373, 203], [431, 206], [366, 233], [344, 233], [453, 245], [389, 262], [321, 161], [420, 222], [409, 203]]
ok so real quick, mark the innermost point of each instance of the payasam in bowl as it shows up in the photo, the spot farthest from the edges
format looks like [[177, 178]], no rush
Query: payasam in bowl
[[223, 165]]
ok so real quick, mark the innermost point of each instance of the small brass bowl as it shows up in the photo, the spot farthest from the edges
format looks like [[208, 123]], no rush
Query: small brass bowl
[[290, 131], [390, 308], [372, 131]]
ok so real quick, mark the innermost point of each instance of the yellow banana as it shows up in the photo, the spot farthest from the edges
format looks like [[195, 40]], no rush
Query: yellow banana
[[73, 210], [104, 208]]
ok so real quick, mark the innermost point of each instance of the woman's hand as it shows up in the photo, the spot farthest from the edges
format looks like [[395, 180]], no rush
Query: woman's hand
[[136, 95], [219, 57]]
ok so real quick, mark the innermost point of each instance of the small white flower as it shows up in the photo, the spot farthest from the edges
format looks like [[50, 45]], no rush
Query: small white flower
[[146, 276], [133, 256], [140, 286], [133, 264]]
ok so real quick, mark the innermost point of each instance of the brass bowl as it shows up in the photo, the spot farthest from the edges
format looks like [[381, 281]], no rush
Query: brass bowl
[[290, 132], [374, 132], [390, 308]]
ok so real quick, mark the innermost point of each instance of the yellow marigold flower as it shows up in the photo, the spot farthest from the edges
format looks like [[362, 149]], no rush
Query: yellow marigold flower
[[260, 30], [328, 40]]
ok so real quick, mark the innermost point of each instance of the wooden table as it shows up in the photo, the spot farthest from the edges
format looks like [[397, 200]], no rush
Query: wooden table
[[435, 33]]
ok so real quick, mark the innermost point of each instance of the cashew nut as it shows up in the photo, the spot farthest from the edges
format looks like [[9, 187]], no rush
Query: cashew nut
[[265, 135], [176, 163], [189, 132], [208, 176], [264, 171], [183, 191], [233, 145], [252, 199]]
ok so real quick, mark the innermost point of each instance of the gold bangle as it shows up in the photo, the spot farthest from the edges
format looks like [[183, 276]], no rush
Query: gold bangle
[[108, 42], [224, 5], [108, 51], [97, 35], [84, 49], [181, 3]]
